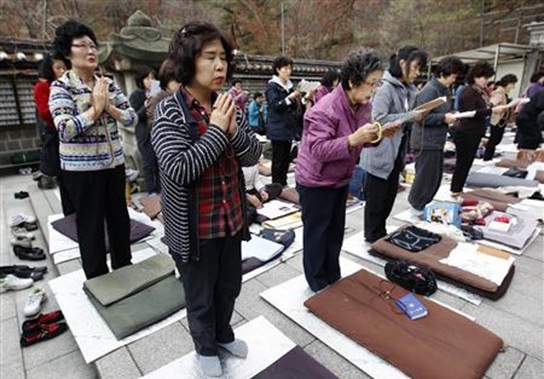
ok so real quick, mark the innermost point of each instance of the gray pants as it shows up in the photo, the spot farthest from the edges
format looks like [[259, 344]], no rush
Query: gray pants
[[429, 168]]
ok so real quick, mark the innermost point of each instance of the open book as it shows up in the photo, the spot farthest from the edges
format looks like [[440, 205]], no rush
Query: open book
[[307, 86], [430, 105], [276, 208]]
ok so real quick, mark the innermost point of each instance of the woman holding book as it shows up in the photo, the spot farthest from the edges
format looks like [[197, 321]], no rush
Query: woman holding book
[[335, 131], [393, 101], [428, 137], [469, 131]]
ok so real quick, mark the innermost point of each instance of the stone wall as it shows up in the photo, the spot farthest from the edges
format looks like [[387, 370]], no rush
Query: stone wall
[[17, 139]]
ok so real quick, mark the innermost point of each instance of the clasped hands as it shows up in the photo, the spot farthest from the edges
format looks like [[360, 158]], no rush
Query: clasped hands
[[223, 114]]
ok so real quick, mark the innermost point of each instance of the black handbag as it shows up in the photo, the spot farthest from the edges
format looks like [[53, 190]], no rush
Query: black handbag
[[416, 279]]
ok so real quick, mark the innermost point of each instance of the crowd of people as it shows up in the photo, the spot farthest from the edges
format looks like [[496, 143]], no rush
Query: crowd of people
[[199, 151]]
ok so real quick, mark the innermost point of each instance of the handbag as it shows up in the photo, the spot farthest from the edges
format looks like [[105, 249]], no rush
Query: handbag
[[420, 280]]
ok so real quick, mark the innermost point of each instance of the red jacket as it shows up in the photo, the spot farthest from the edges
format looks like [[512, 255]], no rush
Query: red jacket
[[41, 98]]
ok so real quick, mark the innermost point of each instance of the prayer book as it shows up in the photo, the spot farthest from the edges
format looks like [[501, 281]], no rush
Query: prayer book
[[307, 86], [410, 305], [260, 248], [468, 114], [275, 209], [430, 105], [289, 222]]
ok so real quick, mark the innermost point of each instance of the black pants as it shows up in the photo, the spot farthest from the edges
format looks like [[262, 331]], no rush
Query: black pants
[[67, 205], [380, 195], [429, 168], [281, 157], [212, 285], [99, 196], [324, 218], [495, 138], [466, 146], [150, 166]]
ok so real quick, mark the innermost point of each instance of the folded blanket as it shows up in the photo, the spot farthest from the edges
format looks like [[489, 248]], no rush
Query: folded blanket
[[443, 344], [481, 179], [499, 200], [119, 284], [135, 312]]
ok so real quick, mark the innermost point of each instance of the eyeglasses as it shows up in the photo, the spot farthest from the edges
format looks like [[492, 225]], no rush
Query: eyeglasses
[[85, 46], [373, 85]]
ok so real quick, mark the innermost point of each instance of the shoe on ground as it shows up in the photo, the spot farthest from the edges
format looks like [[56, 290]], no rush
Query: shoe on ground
[[238, 348], [24, 272], [22, 232], [13, 283], [210, 365], [29, 253], [20, 219], [21, 195], [34, 302], [42, 332], [21, 241], [45, 318], [36, 175]]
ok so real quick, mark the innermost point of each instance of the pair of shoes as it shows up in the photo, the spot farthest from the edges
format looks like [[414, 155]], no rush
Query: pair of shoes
[[29, 253], [24, 272], [11, 282], [36, 175], [34, 302], [210, 365], [21, 241], [21, 195], [19, 232], [45, 318], [42, 332], [21, 220]]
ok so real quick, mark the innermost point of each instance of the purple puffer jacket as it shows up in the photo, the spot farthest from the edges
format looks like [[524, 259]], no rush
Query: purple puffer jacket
[[324, 159]]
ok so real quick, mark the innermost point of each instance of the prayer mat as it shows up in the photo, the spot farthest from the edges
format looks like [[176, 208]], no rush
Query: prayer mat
[[482, 179], [499, 200], [67, 226], [152, 205], [443, 344], [291, 195]]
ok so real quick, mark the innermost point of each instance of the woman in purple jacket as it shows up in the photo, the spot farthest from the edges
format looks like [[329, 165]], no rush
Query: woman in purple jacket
[[335, 131]]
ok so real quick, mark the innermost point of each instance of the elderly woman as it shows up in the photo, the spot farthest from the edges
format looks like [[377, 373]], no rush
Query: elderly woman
[[202, 140], [335, 131], [86, 110], [393, 101]]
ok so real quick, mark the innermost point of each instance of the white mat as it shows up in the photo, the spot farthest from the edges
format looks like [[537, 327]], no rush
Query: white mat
[[356, 246], [66, 255], [407, 216], [266, 345], [289, 298], [91, 333], [509, 249]]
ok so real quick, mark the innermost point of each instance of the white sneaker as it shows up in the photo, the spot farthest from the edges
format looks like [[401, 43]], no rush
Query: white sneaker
[[22, 233], [21, 241], [34, 302], [11, 282], [19, 219]]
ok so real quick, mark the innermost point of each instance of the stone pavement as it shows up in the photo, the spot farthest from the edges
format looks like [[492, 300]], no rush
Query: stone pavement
[[517, 317]]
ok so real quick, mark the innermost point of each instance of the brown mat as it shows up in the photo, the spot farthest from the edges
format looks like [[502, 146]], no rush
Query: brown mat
[[430, 258], [291, 195], [444, 344], [152, 206], [526, 157], [499, 200]]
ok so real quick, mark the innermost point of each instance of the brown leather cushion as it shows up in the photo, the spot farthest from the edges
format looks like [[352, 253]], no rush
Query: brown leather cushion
[[152, 205], [499, 200], [443, 344], [430, 258], [526, 157], [291, 195]]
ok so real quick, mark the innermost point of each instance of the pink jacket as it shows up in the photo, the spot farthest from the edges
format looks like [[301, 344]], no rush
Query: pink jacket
[[324, 159]]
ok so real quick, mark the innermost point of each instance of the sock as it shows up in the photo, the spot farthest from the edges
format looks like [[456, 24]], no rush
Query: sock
[[237, 348], [210, 365]]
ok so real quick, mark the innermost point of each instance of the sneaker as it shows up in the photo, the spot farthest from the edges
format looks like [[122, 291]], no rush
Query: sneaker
[[21, 232], [20, 219], [37, 175], [34, 302], [42, 332], [11, 282], [21, 241], [46, 318]]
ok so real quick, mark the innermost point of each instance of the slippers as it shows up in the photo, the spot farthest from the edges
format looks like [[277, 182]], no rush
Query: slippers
[[21, 195]]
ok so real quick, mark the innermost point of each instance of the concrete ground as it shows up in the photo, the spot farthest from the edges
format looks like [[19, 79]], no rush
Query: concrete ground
[[518, 317]]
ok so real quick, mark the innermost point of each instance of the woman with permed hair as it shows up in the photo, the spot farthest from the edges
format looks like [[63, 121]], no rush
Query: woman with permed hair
[[469, 131], [335, 131], [87, 110], [202, 140], [139, 99], [394, 100]]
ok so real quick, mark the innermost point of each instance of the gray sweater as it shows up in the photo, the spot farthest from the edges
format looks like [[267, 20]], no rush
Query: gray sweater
[[431, 133], [392, 101]]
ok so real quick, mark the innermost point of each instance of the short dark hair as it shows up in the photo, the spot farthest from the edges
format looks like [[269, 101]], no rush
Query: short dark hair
[[409, 54], [167, 73], [329, 78], [448, 66], [45, 71], [235, 81], [536, 75], [65, 35], [358, 66], [257, 94], [142, 74], [507, 79], [188, 42], [280, 62], [480, 69]]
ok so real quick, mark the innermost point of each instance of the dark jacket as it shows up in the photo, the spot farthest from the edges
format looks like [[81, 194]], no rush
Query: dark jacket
[[431, 134], [471, 100], [137, 101], [529, 130], [183, 156], [283, 122]]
